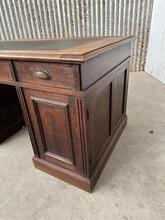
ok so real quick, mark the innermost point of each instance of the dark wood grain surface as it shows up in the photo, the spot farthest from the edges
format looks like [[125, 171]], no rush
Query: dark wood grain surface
[[73, 94]]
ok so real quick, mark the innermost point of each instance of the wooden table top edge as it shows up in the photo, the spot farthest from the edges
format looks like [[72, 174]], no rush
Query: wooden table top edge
[[80, 53]]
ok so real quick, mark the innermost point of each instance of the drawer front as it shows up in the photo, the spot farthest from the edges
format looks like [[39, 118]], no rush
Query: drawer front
[[5, 71], [48, 74]]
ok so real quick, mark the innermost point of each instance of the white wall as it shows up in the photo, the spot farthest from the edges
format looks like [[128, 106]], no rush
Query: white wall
[[155, 61]]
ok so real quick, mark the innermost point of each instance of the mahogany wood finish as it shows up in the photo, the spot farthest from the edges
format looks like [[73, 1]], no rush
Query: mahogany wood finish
[[59, 75], [73, 94]]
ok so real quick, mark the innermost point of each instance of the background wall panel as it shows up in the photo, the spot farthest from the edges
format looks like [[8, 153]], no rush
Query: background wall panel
[[155, 64], [27, 19]]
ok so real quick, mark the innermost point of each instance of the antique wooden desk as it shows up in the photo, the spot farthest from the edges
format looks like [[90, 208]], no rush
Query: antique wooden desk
[[73, 94]]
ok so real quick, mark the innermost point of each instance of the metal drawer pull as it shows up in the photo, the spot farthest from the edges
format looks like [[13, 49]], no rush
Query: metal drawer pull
[[42, 74]]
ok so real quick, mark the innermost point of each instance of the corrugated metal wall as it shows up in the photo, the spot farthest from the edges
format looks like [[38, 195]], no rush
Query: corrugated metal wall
[[21, 19]]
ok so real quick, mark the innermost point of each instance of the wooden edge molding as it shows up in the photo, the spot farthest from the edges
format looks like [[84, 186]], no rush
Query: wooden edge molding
[[77, 54]]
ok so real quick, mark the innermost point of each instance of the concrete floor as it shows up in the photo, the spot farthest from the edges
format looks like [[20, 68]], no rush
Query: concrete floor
[[131, 187]]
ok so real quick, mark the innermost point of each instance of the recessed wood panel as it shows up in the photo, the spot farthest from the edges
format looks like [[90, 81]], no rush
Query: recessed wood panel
[[54, 122], [118, 96], [99, 121]]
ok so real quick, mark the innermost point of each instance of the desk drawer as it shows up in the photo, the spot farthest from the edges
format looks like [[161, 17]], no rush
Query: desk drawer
[[6, 71], [48, 74]]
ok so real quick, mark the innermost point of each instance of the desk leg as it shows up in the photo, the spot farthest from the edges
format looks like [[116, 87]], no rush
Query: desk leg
[[11, 119]]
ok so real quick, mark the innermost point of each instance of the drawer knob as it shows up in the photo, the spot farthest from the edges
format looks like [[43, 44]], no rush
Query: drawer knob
[[42, 74]]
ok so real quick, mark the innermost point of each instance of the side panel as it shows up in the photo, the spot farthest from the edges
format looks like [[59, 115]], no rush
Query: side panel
[[105, 110]]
